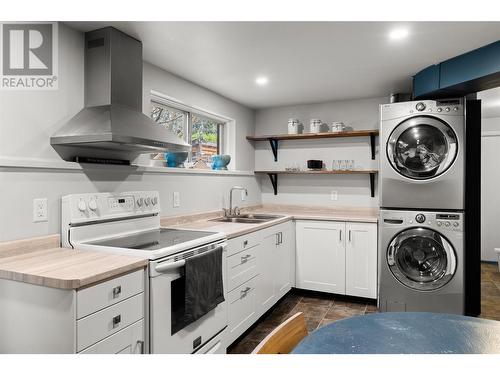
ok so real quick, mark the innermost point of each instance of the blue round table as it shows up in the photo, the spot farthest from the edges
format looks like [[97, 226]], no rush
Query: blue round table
[[404, 333]]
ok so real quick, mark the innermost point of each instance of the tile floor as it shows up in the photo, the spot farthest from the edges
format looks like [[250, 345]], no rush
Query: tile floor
[[321, 308]]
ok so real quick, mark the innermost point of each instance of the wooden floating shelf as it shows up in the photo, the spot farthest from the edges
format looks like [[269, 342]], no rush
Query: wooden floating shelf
[[288, 137], [274, 139], [273, 176], [354, 171]]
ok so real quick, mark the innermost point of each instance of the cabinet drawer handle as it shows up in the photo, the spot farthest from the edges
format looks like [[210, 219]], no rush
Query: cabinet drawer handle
[[245, 292], [340, 235], [116, 320], [349, 235], [245, 243], [245, 258], [117, 291]]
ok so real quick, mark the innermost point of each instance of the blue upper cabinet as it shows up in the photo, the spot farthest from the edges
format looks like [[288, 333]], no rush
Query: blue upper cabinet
[[471, 72], [426, 81], [470, 66]]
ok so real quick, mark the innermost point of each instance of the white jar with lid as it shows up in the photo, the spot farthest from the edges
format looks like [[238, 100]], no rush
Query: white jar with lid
[[315, 125], [294, 126]]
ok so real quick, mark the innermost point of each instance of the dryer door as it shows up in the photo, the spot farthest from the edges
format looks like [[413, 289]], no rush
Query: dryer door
[[421, 259], [422, 147]]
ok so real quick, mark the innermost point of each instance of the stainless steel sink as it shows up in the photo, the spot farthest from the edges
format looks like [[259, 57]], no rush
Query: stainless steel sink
[[247, 218], [265, 217]]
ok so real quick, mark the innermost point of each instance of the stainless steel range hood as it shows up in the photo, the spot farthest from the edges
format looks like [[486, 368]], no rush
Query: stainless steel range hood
[[112, 125]]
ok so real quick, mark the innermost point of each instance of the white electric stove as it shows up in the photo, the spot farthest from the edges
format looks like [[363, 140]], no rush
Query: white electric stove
[[129, 223]]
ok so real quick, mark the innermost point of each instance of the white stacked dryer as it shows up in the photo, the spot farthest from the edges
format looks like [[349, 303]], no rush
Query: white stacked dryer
[[421, 259]]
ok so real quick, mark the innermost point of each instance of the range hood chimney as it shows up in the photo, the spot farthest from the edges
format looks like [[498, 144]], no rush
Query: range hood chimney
[[112, 125]]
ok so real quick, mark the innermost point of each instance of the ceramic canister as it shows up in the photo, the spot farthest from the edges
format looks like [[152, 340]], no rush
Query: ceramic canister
[[315, 125], [294, 126]]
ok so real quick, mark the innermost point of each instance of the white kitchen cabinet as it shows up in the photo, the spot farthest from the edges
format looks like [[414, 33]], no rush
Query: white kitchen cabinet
[[361, 260], [104, 318], [242, 309], [320, 256], [284, 268], [129, 340], [266, 266], [337, 257], [260, 271], [274, 265]]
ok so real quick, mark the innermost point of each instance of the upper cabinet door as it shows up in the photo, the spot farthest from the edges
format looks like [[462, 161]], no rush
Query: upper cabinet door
[[361, 259], [320, 262]]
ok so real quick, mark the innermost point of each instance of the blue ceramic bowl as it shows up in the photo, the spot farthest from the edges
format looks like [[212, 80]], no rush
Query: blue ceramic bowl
[[220, 162], [176, 159]]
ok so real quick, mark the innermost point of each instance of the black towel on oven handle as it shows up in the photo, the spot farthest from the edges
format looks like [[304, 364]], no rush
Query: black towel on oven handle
[[204, 286]]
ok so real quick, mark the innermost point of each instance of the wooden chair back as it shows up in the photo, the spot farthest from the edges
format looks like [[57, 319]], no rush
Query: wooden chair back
[[285, 337]]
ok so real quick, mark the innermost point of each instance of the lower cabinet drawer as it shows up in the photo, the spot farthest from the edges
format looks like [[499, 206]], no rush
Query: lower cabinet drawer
[[97, 297], [104, 323], [129, 340], [237, 244], [241, 267], [242, 309]]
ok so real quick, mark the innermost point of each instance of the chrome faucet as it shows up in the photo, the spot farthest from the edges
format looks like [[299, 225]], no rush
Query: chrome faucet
[[235, 211]]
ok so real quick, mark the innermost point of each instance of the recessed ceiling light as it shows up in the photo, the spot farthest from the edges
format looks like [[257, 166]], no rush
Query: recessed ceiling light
[[261, 81], [398, 34]]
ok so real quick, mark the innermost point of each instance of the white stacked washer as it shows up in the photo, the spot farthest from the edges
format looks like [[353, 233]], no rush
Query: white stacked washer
[[421, 260], [129, 223]]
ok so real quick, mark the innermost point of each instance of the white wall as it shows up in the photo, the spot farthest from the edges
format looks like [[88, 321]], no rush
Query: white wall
[[490, 173], [353, 190], [29, 118]]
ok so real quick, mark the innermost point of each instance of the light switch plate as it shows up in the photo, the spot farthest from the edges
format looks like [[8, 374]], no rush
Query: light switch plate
[[39, 210], [334, 195], [177, 199], [243, 195]]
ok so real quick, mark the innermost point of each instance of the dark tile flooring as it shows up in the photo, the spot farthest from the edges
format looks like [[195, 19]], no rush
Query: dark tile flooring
[[321, 308]]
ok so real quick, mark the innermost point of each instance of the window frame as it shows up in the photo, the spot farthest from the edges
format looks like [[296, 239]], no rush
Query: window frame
[[223, 122]]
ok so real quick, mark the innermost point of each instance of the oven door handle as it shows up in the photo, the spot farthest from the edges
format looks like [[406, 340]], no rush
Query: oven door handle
[[165, 267], [170, 266]]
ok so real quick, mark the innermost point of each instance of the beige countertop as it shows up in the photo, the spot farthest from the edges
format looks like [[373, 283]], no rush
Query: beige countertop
[[204, 221], [41, 261]]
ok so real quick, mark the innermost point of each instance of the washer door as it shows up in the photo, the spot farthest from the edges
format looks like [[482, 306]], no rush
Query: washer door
[[421, 259], [422, 147]]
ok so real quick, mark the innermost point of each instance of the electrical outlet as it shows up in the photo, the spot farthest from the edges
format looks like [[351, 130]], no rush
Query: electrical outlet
[[334, 195], [39, 210], [243, 195], [177, 199]]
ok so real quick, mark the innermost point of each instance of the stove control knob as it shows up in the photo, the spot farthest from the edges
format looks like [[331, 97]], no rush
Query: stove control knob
[[155, 201], [440, 109], [447, 109], [420, 218], [148, 201], [420, 106], [447, 224], [93, 204], [82, 206], [439, 223], [455, 224], [140, 201]]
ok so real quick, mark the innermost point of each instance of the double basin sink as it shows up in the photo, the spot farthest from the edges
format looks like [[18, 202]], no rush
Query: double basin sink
[[247, 218]]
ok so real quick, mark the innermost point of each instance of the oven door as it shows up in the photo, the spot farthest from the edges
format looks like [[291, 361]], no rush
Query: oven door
[[165, 296]]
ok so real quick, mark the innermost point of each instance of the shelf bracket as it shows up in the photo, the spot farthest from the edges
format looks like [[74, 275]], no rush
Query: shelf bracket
[[274, 181], [274, 147], [372, 184], [372, 143]]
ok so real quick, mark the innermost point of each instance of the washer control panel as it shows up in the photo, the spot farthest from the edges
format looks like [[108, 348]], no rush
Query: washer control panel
[[81, 208], [442, 221]]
